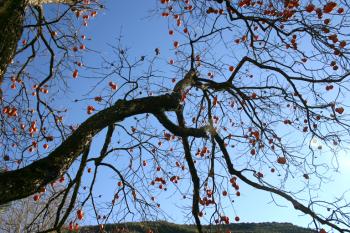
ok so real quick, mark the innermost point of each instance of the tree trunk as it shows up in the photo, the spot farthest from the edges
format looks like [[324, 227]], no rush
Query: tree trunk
[[11, 27]]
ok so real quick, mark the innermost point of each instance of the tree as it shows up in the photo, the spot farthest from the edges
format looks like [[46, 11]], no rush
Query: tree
[[258, 86], [12, 15], [33, 214]]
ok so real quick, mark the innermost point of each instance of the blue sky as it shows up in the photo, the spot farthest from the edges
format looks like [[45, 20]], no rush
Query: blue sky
[[142, 32]]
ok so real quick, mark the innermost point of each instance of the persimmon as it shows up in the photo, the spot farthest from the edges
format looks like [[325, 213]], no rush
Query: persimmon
[[325, 30], [252, 152], [80, 214], [340, 10], [165, 14], [256, 134], [34, 144], [36, 197], [75, 74], [93, 14], [281, 160], [86, 17], [337, 52], [71, 226], [98, 98], [179, 22], [167, 136], [342, 44], [133, 193], [233, 180], [339, 110], [224, 193], [215, 101], [329, 7], [225, 219], [90, 109], [310, 8], [113, 86]]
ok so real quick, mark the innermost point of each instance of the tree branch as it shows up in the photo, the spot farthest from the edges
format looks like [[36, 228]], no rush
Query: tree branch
[[26, 181], [178, 130], [297, 205]]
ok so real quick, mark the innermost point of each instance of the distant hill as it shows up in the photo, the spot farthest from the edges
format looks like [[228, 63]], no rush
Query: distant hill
[[166, 227]]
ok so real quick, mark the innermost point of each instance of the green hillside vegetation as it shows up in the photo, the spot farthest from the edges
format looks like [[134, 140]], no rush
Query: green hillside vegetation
[[166, 227]]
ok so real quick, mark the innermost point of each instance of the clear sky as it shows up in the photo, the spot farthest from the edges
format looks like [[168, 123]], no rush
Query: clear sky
[[142, 32]]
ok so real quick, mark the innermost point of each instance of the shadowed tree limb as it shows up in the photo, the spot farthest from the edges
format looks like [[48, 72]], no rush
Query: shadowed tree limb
[[178, 130], [73, 199], [26, 181], [193, 172]]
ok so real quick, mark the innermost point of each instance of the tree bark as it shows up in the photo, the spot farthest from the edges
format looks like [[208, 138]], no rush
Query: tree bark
[[12, 14], [11, 27]]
